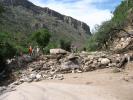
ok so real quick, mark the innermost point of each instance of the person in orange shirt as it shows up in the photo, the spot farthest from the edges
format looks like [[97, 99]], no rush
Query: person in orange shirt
[[30, 50]]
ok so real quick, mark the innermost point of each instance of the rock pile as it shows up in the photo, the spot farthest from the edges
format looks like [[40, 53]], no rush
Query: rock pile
[[54, 66]]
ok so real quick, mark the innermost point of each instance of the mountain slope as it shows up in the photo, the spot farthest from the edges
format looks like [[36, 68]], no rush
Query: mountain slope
[[117, 33], [23, 17]]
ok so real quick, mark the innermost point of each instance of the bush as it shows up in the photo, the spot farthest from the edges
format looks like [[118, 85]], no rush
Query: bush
[[7, 50], [51, 45], [92, 45], [65, 44], [101, 37], [106, 32], [41, 37], [21, 48], [121, 12]]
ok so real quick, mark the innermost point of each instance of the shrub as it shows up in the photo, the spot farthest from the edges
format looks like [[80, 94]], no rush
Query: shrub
[[106, 31], [101, 37], [7, 50], [21, 48], [65, 44], [92, 45], [51, 45], [41, 37]]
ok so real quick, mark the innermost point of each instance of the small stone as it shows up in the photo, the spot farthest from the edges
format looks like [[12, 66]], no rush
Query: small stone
[[78, 71], [32, 76], [72, 56], [28, 80], [49, 78], [38, 76], [21, 80], [112, 65], [17, 83], [61, 78]]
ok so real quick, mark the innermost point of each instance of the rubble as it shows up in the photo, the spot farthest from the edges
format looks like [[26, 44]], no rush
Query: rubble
[[53, 66]]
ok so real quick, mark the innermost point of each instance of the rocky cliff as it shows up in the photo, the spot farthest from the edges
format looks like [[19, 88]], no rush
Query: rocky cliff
[[24, 17]]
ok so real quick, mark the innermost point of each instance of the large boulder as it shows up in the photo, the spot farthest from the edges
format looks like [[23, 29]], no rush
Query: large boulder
[[58, 51], [70, 65]]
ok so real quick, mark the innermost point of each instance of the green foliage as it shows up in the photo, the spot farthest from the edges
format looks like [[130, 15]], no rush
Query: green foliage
[[121, 12], [92, 45], [41, 37], [7, 49], [100, 38], [23, 49], [65, 44], [104, 32], [51, 45]]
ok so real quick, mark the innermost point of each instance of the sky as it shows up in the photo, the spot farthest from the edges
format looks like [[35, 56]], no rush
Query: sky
[[92, 12]]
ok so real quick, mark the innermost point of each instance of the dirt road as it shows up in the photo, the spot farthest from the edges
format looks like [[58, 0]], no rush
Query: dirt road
[[97, 85]]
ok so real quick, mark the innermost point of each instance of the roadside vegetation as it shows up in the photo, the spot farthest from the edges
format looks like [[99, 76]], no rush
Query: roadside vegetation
[[106, 31]]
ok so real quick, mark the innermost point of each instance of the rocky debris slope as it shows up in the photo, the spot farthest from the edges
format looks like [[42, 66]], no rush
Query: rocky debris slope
[[54, 66], [123, 38], [47, 67]]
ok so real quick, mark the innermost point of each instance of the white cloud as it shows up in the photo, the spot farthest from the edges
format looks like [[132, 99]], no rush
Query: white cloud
[[82, 10]]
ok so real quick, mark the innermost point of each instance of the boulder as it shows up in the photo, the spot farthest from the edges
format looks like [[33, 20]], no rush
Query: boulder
[[58, 51], [104, 61], [69, 65]]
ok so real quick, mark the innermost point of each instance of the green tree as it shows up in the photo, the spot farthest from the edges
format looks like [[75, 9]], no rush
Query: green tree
[[41, 37]]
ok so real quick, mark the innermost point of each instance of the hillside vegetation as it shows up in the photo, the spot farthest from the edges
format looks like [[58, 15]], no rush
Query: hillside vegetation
[[105, 33], [23, 18]]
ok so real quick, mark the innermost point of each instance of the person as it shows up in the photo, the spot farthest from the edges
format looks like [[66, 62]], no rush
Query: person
[[30, 50]]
